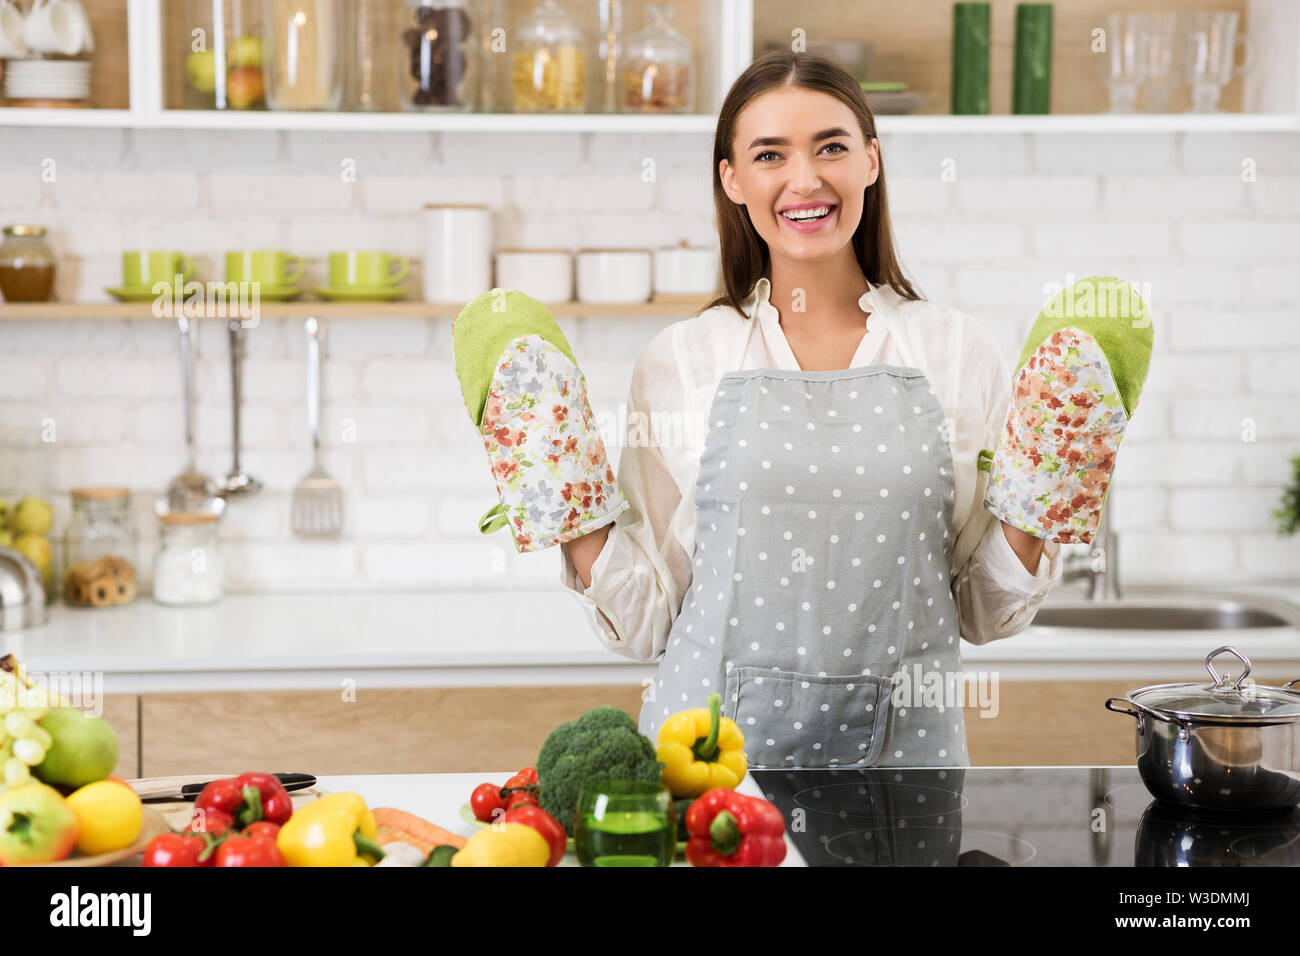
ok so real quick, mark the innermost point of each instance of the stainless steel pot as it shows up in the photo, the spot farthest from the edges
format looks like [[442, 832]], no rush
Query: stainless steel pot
[[22, 592], [1231, 745]]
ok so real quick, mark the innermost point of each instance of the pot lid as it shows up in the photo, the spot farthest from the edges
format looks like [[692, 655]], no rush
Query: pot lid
[[1228, 698]]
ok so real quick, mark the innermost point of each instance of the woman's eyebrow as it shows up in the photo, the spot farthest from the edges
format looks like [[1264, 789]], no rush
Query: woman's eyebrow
[[782, 141]]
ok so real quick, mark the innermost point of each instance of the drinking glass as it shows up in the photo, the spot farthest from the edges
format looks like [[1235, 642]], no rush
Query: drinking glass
[[1209, 44], [625, 823], [1164, 64], [1125, 65]]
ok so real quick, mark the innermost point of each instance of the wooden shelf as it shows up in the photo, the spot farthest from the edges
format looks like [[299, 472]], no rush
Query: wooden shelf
[[55, 311]]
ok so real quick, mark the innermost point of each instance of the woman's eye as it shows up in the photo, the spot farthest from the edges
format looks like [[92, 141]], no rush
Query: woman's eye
[[839, 148]]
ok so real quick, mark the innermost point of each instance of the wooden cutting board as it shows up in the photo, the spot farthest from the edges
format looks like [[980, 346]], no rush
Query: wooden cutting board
[[177, 812]]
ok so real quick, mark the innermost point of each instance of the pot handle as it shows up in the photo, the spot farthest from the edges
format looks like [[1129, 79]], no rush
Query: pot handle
[[1114, 702], [1224, 681]]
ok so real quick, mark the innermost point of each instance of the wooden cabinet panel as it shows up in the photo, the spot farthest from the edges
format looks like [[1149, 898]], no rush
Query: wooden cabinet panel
[[1058, 723], [122, 713], [413, 730]]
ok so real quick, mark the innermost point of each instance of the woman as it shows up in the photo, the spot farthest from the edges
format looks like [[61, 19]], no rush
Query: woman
[[823, 534]]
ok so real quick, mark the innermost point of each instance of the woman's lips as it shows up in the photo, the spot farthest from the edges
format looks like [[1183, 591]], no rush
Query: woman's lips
[[812, 225]]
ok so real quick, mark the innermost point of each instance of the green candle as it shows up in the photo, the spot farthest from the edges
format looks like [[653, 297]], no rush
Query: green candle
[[1032, 83], [970, 58]]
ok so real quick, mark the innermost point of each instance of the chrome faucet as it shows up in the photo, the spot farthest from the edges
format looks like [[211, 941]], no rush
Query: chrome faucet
[[1099, 566]]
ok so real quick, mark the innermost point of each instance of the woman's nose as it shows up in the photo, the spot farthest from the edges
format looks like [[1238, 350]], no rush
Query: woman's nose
[[803, 174]]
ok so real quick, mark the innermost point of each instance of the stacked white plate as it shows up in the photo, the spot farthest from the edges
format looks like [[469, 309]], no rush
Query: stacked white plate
[[47, 79]]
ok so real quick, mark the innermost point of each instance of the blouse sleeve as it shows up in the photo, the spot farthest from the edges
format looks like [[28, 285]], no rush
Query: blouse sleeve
[[642, 572], [996, 596]]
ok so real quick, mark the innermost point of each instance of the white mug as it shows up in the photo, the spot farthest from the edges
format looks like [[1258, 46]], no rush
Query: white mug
[[54, 26], [12, 45]]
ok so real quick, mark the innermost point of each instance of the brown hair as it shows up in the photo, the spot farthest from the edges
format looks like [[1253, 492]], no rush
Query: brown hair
[[745, 256]]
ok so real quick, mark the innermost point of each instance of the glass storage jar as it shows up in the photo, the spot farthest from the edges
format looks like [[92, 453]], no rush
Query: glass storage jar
[[548, 67], [223, 56], [437, 56], [659, 71], [302, 50], [188, 569], [100, 548], [26, 265]]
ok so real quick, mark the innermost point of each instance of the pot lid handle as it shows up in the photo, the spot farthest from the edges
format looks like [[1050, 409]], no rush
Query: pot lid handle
[[1224, 682]]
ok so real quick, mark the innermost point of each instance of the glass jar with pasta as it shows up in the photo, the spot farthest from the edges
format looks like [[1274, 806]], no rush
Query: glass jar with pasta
[[302, 54], [548, 65]]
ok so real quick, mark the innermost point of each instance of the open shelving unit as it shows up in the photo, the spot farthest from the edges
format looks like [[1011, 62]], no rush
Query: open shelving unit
[[138, 71]]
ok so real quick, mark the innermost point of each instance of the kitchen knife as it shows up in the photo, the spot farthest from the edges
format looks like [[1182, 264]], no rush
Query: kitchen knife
[[190, 791]]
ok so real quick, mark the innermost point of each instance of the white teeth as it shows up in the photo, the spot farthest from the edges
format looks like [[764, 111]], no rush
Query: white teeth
[[801, 214]]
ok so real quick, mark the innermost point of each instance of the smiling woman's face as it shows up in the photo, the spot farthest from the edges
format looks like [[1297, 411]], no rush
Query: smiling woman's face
[[798, 150]]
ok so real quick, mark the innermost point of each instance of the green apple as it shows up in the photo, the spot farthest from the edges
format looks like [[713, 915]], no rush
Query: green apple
[[32, 516], [36, 825], [84, 748], [201, 71]]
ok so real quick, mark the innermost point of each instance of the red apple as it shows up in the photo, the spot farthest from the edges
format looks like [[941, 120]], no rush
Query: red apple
[[36, 825]]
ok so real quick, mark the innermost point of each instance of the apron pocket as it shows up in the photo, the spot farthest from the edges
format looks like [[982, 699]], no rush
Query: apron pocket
[[802, 720]]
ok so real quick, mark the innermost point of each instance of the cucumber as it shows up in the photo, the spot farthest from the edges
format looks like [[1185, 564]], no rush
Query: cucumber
[[441, 855]]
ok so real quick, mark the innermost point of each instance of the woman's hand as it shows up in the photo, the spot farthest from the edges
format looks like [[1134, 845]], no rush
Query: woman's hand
[[1027, 548], [584, 551]]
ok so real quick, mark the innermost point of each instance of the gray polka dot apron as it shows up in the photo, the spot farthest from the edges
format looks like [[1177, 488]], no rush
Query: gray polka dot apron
[[820, 605]]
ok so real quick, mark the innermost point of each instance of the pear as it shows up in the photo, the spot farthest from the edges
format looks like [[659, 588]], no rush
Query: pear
[[32, 515], [36, 547]]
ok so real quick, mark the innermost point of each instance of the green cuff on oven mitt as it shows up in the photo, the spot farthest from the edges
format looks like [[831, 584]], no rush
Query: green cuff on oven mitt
[[528, 399], [1074, 392]]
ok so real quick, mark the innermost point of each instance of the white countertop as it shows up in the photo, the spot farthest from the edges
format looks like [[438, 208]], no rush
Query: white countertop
[[438, 797], [459, 638]]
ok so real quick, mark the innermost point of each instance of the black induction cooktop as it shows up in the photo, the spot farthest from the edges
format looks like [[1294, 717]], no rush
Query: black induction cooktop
[[1013, 816]]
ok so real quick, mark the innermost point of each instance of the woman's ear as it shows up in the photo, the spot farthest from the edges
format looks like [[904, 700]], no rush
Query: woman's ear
[[728, 177], [873, 161]]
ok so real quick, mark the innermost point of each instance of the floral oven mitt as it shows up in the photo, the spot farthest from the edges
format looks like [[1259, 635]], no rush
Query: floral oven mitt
[[1077, 385], [525, 394]]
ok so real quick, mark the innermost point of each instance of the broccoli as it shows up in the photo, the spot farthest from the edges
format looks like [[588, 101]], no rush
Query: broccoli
[[602, 744]]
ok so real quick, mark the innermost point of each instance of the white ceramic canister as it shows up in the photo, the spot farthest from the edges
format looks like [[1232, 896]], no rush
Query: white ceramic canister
[[614, 276], [544, 274], [686, 270], [457, 252]]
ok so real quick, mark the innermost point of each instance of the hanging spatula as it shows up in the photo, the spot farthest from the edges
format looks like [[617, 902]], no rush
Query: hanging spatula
[[317, 498]]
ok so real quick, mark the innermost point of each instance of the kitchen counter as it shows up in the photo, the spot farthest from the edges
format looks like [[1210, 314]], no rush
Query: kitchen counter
[[466, 638], [438, 797]]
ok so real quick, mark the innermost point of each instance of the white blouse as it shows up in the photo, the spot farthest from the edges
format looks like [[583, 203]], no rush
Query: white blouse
[[644, 568]]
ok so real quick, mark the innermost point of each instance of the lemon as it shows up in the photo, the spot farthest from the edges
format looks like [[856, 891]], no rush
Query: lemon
[[109, 815], [505, 844]]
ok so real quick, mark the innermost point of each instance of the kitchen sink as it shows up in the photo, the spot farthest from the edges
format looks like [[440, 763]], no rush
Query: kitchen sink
[[1171, 612]]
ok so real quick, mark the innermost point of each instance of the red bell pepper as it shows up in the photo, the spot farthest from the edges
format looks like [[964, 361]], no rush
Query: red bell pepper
[[545, 824], [180, 849], [247, 798], [730, 829]]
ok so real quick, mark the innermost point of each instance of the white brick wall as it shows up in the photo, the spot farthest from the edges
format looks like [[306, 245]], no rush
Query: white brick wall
[[984, 224]]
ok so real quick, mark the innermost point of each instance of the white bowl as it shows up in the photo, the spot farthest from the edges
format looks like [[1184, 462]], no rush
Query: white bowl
[[614, 276], [686, 270], [544, 274]]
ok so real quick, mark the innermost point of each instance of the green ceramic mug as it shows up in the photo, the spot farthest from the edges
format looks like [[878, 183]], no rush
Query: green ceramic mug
[[143, 269], [366, 269], [264, 266]]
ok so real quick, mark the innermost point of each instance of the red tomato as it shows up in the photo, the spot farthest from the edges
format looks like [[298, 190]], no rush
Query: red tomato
[[486, 802], [521, 798], [248, 851], [176, 849], [543, 823], [524, 778], [210, 820], [262, 830]]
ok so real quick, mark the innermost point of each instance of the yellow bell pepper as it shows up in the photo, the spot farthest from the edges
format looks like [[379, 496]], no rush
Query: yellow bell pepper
[[336, 830], [700, 749], [504, 844]]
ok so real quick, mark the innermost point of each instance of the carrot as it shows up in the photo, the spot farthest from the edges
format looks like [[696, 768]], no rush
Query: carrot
[[418, 832]]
